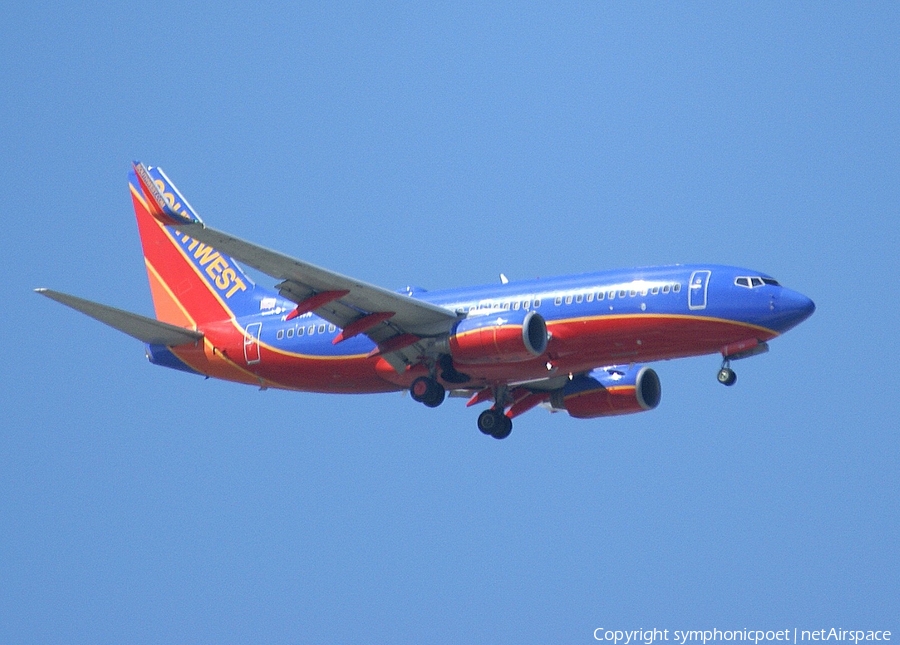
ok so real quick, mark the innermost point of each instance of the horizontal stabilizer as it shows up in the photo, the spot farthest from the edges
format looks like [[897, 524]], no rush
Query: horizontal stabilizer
[[144, 329]]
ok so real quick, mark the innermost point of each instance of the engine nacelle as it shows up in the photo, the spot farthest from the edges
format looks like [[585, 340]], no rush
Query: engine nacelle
[[498, 337], [609, 391]]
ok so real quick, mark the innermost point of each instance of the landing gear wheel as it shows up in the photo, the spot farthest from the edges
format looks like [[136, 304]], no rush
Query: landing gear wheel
[[488, 421], [726, 376], [505, 428], [495, 423], [428, 391]]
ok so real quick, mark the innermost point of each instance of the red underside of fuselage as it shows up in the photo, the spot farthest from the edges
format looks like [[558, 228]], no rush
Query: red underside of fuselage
[[575, 346]]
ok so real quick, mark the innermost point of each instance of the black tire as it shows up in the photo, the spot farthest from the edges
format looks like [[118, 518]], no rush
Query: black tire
[[726, 376], [504, 429], [428, 391], [488, 421], [436, 397]]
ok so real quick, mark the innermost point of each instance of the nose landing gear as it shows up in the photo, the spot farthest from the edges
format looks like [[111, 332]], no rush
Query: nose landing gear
[[726, 375], [737, 351]]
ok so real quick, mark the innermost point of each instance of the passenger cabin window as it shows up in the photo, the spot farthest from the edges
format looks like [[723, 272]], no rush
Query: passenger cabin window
[[557, 301], [568, 300], [280, 334], [537, 303], [579, 297], [290, 333], [665, 288], [600, 295], [676, 287], [590, 297]]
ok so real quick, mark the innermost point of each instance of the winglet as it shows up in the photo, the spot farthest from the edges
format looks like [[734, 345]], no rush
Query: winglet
[[163, 200]]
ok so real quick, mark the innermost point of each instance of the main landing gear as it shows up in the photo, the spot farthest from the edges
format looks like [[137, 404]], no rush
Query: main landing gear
[[427, 390], [494, 423]]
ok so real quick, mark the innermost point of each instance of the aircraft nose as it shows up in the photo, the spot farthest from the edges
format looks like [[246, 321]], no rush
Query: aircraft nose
[[795, 308]]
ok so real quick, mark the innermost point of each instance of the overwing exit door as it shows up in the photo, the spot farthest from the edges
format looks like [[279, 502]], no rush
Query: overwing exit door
[[251, 343]]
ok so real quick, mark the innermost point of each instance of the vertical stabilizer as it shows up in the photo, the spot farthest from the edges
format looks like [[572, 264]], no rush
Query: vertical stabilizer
[[191, 282]]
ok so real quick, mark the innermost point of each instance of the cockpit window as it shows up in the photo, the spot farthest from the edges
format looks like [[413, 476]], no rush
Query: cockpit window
[[750, 282]]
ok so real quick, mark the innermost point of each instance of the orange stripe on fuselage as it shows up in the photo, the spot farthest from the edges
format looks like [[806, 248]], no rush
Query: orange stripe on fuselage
[[209, 360]]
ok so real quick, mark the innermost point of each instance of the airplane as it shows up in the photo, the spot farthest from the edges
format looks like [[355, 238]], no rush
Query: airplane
[[576, 343]]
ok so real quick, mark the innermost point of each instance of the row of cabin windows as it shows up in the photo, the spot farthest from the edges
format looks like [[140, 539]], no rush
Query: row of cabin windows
[[622, 293], [300, 331], [524, 305]]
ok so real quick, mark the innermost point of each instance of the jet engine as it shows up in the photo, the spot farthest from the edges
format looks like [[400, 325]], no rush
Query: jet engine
[[609, 391], [497, 337]]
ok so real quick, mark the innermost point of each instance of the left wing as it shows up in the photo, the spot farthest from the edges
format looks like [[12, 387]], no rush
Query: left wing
[[398, 324], [148, 330]]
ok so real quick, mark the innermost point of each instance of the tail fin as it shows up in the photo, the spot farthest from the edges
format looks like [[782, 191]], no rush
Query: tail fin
[[191, 282]]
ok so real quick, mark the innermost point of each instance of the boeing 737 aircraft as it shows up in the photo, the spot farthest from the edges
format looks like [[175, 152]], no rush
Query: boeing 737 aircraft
[[574, 343]]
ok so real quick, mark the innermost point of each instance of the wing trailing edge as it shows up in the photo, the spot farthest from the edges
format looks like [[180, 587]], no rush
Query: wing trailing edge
[[148, 330]]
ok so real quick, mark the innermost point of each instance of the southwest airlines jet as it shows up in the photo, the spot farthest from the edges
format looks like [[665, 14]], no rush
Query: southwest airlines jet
[[573, 343]]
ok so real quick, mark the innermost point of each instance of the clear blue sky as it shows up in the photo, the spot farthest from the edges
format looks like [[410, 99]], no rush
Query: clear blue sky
[[439, 147]]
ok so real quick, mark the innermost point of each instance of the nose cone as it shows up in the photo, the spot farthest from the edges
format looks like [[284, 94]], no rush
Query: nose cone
[[793, 308]]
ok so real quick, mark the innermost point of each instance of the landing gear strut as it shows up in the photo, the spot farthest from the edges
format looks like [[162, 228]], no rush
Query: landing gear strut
[[726, 375], [428, 391], [494, 423], [448, 371]]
